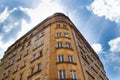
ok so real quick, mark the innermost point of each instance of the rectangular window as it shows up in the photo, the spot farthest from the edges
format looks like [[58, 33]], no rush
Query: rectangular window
[[58, 34], [60, 58], [70, 58], [57, 25], [32, 70], [29, 43], [59, 45], [62, 75], [26, 53], [68, 45], [19, 58], [64, 26], [38, 36], [40, 53], [39, 67], [33, 57], [66, 35], [20, 76], [23, 64], [37, 78], [73, 74], [16, 68], [23, 47]]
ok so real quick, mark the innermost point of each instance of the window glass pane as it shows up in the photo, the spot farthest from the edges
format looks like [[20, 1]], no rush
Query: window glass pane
[[64, 26], [66, 35], [68, 45], [57, 25], [62, 74], [60, 45]]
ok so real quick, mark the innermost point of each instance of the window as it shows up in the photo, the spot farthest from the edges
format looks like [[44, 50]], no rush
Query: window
[[40, 53], [32, 70], [73, 74], [62, 74], [66, 35], [29, 43], [20, 76], [33, 57], [59, 45], [68, 45], [26, 53], [70, 58], [64, 26], [38, 36], [22, 47], [39, 66], [57, 25], [16, 68], [58, 34], [23, 64], [37, 78], [19, 58], [60, 58]]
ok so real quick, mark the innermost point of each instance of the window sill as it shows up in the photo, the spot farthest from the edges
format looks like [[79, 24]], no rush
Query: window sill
[[62, 37], [64, 48], [38, 47], [61, 28], [34, 73], [67, 79], [66, 62]]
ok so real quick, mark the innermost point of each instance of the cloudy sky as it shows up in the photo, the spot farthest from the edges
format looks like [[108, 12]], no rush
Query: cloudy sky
[[97, 20]]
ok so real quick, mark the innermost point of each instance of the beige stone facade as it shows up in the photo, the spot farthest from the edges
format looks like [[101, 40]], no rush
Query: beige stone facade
[[52, 50]]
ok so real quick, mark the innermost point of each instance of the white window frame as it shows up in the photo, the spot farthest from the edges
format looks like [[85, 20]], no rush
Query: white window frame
[[73, 74], [62, 74], [66, 35], [59, 44], [68, 45], [58, 34], [60, 58], [70, 58]]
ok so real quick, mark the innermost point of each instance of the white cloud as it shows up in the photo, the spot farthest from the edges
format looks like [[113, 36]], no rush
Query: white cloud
[[114, 45], [4, 15], [45, 9], [97, 47], [110, 9], [8, 28], [1, 36]]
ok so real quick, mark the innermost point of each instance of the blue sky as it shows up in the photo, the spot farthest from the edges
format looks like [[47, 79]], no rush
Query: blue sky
[[97, 20]]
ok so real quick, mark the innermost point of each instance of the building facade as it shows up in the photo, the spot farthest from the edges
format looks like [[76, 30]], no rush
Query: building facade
[[52, 50]]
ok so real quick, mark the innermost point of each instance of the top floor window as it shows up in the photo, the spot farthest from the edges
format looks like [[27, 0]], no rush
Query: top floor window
[[29, 43], [57, 25], [64, 26], [38, 36]]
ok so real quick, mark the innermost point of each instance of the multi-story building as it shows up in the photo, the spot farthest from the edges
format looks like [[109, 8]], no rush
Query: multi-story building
[[52, 50]]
